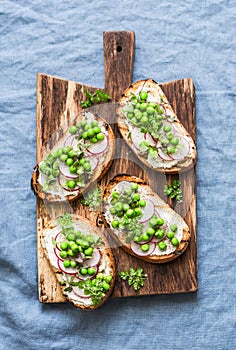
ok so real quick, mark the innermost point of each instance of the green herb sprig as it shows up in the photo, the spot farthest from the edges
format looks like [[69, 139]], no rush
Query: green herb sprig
[[98, 97], [92, 198], [135, 278], [174, 191]]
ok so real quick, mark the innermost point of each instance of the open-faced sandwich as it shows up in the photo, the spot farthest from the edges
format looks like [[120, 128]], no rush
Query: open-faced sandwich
[[82, 157], [82, 260], [150, 127], [141, 222]]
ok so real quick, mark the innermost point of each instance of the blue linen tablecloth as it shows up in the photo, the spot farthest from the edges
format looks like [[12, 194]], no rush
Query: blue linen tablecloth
[[174, 39]]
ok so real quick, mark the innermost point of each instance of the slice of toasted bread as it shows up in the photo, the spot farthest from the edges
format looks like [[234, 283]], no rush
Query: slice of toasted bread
[[163, 162], [104, 161], [105, 266], [158, 206]]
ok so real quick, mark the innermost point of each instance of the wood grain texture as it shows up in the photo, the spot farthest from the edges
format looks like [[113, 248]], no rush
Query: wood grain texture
[[58, 101]]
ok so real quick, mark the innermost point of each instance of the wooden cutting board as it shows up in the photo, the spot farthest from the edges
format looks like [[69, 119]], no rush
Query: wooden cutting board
[[58, 101]]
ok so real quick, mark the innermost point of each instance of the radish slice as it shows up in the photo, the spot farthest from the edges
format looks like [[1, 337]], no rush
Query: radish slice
[[137, 136], [93, 161], [68, 270], [136, 248], [99, 147], [56, 251], [65, 171], [85, 277], [80, 292], [182, 150], [94, 260], [68, 140], [163, 155], [148, 211]]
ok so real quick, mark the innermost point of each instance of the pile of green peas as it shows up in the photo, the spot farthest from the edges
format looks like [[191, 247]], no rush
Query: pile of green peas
[[88, 131], [102, 280], [77, 243], [126, 206], [149, 116]]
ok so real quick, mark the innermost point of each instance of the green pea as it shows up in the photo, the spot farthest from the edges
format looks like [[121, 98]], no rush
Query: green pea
[[97, 130], [108, 279], [170, 235], [115, 194], [173, 227], [134, 187], [118, 206], [152, 104], [94, 123], [87, 127], [72, 169], [174, 141], [91, 270], [136, 197], [145, 237], [59, 152], [137, 239], [142, 203], [83, 271], [66, 149], [73, 264], [169, 135], [143, 107], [137, 211], [112, 211], [130, 115], [153, 221], [71, 184], [150, 110], [143, 95], [69, 161], [126, 207], [175, 242], [90, 133], [130, 213], [160, 221], [138, 105], [70, 253], [71, 153], [94, 140], [74, 247], [87, 166], [88, 251], [105, 285], [115, 223], [85, 135], [145, 247], [159, 233], [100, 276], [144, 120], [63, 254], [63, 157], [171, 150], [162, 245], [165, 142], [100, 136], [73, 130], [150, 231], [167, 128], [63, 245], [66, 263]]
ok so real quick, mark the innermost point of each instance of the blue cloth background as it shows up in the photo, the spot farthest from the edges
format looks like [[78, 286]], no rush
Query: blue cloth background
[[174, 39]]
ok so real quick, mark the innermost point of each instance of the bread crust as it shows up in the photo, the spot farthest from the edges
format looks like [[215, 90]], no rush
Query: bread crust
[[161, 204], [99, 172], [106, 252], [154, 89]]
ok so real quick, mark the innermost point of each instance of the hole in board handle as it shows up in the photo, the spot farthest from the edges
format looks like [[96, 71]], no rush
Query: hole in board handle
[[119, 48]]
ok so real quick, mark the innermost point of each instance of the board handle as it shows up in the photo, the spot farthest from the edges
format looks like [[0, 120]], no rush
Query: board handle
[[118, 61]]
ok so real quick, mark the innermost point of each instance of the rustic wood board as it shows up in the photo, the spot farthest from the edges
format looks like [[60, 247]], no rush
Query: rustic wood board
[[58, 101]]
